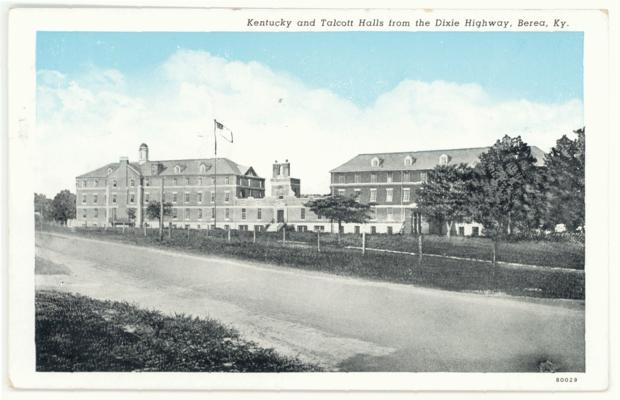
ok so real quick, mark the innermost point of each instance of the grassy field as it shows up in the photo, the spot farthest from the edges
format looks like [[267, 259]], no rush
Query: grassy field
[[46, 267], [77, 333], [435, 272]]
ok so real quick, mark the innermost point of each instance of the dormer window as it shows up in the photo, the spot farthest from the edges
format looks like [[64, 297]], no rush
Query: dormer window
[[177, 169], [443, 159], [109, 171], [375, 162], [203, 168], [408, 161]]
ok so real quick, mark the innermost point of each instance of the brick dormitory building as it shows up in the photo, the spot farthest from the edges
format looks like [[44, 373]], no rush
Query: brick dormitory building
[[206, 192]]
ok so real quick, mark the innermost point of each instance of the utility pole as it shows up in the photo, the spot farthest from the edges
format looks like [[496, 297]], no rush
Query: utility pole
[[161, 211], [215, 175]]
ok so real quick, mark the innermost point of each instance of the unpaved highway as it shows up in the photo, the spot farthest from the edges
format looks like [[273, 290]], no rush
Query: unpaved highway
[[342, 323]]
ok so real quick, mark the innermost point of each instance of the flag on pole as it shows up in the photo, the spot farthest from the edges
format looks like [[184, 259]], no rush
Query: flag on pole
[[220, 127]]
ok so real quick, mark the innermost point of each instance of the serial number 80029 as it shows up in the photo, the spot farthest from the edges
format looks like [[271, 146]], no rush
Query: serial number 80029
[[565, 380]]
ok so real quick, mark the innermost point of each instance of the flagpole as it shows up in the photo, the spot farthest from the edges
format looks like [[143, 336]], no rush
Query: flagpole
[[215, 174]]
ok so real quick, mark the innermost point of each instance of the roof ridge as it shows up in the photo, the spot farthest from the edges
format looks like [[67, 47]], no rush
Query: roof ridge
[[426, 151]]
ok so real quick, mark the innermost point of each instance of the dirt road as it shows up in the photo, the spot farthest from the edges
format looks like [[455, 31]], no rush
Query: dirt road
[[342, 323]]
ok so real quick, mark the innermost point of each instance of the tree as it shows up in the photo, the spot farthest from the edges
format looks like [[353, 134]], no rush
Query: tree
[[566, 181], [341, 209], [63, 206], [445, 195], [131, 214], [507, 189], [153, 209], [43, 207]]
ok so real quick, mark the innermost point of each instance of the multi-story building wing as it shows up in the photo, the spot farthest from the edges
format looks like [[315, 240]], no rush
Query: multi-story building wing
[[390, 181], [200, 190]]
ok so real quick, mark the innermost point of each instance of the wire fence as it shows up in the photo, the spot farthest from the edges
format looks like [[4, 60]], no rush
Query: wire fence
[[569, 255]]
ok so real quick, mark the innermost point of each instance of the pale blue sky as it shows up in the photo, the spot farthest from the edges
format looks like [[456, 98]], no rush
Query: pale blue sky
[[543, 67]]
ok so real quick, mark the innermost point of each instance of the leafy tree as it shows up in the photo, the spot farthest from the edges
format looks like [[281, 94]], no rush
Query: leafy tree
[[153, 209], [43, 207], [131, 214], [63, 206], [566, 181], [341, 209], [445, 195], [507, 189]]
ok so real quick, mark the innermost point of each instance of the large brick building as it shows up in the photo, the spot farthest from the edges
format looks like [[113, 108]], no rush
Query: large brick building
[[390, 180], [203, 193]]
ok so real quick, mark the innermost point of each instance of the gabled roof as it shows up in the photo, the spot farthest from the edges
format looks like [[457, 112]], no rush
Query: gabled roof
[[422, 160], [101, 172], [188, 167]]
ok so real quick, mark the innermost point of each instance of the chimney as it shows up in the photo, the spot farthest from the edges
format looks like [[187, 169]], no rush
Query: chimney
[[124, 160]]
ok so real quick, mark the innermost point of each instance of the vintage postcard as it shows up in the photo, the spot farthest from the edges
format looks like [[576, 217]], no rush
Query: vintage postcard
[[308, 199]]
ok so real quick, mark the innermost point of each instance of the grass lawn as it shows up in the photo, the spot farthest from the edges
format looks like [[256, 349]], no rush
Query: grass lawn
[[46, 267], [442, 273], [77, 333]]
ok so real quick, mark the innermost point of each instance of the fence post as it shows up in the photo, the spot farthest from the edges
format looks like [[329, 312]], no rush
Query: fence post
[[144, 230], [188, 233], [254, 236], [363, 243], [420, 246], [169, 230], [318, 240], [284, 235], [123, 229], [494, 252], [229, 234]]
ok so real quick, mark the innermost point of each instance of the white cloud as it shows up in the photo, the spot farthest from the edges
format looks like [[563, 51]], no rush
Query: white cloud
[[87, 122]]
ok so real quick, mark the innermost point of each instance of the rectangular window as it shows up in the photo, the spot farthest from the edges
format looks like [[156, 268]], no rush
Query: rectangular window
[[243, 213], [227, 196], [84, 213], [113, 198], [95, 198], [199, 181], [147, 197], [212, 197], [174, 213], [227, 213], [187, 197], [114, 183], [373, 178], [83, 198], [358, 193], [200, 213], [96, 183], [132, 183], [423, 176], [341, 192], [174, 197], [96, 213], [406, 176], [390, 177], [390, 214], [357, 229], [358, 178], [213, 180], [461, 231], [373, 195], [406, 194], [342, 178], [475, 231], [389, 230], [303, 213], [147, 182], [227, 180], [373, 230], [132, 198], [187, 213], [199, 197], [174, 182], [389, 195], [259, 213], [187, 181]]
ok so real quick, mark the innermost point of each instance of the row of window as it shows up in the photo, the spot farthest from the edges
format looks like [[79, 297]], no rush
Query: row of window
[[147, 197], [389, 194], [409, 160], [389, 177], [175, 182]]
